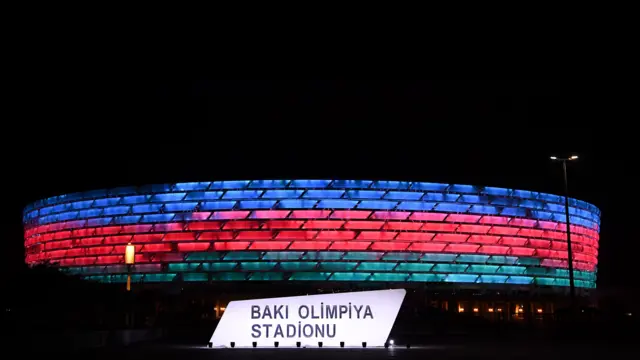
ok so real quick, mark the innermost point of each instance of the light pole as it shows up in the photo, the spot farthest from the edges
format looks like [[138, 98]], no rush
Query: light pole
[[572, 288], [130, 260]]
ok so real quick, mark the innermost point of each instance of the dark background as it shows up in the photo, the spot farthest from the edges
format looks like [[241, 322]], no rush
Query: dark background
[[85, 128]]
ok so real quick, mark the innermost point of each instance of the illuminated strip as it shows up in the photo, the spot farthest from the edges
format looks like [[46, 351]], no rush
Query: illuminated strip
[[314, 198], [542, 228]]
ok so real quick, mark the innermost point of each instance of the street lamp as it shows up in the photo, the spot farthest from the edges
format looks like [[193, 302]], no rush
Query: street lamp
[[572, 288], [129, 259]]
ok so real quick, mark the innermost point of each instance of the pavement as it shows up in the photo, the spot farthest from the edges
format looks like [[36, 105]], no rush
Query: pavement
[[481, 350]]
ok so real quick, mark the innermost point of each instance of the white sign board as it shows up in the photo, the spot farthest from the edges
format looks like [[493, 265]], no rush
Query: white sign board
[[352, 318]]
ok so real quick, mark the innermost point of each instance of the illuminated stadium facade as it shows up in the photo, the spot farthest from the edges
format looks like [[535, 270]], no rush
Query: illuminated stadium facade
[[379, 233]]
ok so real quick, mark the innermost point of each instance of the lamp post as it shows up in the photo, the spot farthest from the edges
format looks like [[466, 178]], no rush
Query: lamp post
[[572, 288], [129, 259]]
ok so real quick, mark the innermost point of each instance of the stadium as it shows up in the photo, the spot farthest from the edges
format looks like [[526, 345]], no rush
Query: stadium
[[472, 244]]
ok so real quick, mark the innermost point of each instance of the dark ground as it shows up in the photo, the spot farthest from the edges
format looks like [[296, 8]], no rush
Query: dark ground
[[472, 350]]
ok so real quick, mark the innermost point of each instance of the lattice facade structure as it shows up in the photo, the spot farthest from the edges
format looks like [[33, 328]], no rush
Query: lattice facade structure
[[316, 230]]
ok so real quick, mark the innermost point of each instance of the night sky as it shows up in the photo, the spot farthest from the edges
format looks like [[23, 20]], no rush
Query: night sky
[[136, 130]]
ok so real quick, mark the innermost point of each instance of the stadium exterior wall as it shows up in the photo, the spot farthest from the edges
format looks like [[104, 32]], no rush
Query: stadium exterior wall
[[387, 232]]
